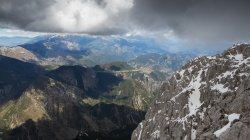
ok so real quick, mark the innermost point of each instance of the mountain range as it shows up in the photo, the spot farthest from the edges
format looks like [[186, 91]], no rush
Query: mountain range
[[14, 41], [50, 91], [82, 87], [66, 103], [91, 50]]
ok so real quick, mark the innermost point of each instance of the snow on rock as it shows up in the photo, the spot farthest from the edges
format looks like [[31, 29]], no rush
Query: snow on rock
[[231, 118], [190, 69], [156, 134], [141, 125], [202, 113], [211, 57], [159, 111], [189, 101], [221, 88], [193, 134], [194, 98], [70, 45], [238, 57], [182, 72], [226, 74]]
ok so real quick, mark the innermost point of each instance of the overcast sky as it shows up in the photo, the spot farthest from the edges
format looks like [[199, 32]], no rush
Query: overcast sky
[[194, 22]]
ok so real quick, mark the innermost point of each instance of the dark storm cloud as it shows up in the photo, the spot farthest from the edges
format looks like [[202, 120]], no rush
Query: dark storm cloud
[[205, 20], [195, 19], [22, 12]]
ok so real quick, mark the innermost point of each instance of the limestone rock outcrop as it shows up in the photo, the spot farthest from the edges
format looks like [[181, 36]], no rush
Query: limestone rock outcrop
[[208, 99]]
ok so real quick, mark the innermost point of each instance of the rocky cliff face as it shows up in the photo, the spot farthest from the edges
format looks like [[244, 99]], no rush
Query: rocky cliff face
[[18, 53], [207, 99]]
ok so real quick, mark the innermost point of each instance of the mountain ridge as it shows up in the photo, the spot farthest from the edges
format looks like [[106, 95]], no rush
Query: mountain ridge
[[71, 102], [206, 99]]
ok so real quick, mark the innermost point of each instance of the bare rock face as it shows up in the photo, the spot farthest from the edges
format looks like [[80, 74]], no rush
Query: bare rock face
[[18, 53], [207, 99]]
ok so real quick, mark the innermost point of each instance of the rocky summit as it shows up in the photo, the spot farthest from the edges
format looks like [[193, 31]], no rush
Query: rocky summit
[[208, 99]]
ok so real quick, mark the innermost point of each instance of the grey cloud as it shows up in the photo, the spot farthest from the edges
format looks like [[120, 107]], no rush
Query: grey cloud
[[202, 20], [22, 12], [196, 19], [86, 16]]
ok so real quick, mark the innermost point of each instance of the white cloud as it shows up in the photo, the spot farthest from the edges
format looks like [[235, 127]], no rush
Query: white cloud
[[86, 16], [117, 6], [20, 33]]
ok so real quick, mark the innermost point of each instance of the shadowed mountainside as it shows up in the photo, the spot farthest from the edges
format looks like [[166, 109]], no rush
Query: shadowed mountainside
[[15, 77], [71, 102]]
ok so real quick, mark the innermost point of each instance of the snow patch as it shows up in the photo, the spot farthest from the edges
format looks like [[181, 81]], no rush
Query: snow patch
[[194, 98], [202, 114], [244, 74], [231, 118], [220, 88], [181, 120], [226, 74], [193, 134], [238, 57], [190, 69], [181, 74], [156, 134], [211, 57], [139, 137], [157, 102], [167, 118], [185, 138]]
